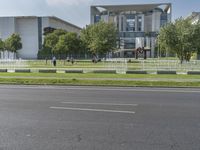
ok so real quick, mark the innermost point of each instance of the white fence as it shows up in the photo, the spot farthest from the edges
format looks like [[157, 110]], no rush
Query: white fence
[[118, 64], [172, 65], [12, 64]]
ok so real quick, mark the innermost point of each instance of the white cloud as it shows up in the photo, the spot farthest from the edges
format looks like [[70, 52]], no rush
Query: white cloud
[[68, 2]]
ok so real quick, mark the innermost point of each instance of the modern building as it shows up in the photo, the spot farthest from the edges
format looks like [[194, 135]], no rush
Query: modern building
[[31, 30], [138, 25], [194, 17]]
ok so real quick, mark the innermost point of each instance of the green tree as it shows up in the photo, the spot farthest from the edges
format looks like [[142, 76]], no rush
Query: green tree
[[68, 44], [52, 39], [48, 30], [100, 38], [13, 43], [196, 36], [2, 46], [181, 38], [61, 47]]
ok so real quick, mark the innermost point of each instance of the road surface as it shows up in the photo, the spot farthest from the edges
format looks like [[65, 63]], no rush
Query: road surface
[[98, 118]]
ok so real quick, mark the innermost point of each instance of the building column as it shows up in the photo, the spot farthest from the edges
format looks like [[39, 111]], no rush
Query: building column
[[142, 23], [136, 23]]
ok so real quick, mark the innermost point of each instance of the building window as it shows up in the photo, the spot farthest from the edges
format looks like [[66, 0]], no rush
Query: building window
[[129, 43], [122, 24], [117, 22], [97, 18], [139, 23], [130, 22], [163, 19]]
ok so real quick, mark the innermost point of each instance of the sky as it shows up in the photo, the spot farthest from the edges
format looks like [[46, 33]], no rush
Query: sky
[[78, 11]]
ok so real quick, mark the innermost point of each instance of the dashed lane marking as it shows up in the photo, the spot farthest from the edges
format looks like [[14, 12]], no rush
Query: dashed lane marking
[[105, 104], [92, 110]]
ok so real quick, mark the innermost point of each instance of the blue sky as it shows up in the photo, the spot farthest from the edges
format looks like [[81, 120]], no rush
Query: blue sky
[[77, 11]]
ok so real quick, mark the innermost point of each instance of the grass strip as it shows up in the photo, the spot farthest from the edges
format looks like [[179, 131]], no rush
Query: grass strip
[[100, 75], [30, 81]]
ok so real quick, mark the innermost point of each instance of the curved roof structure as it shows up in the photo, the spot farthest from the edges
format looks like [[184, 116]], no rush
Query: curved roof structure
[[135, 7]]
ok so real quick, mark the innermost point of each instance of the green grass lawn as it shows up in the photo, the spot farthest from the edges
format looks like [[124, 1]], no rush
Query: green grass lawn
[[93, 75], [46, 81], [98, 79], [133, 65]]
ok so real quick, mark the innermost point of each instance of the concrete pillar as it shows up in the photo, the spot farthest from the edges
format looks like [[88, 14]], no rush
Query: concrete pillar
[[156, 21], [148, 42], [142, 23], [139, 42], [124, 23], [136, 23], [120, 25], [92, 15]]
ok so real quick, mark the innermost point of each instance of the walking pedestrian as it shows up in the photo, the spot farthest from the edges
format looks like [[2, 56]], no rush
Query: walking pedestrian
[[54, 61]]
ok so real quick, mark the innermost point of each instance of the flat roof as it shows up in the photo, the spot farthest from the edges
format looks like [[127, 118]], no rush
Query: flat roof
[[52, 17], [56, 18], [128, 7]]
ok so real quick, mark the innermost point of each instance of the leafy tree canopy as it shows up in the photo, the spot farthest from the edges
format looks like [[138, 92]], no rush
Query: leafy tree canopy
[[100, 38], [181, 37], [68, 43], [13, 43], [52, 39], [61, 42], [1, 45]]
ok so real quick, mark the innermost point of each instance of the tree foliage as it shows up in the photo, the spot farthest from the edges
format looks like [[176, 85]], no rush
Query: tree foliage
[[1, 45], [48, 30], [13, 43], [52, 39], [61, 42], [196, 36], [100, 38], [180, 37], [68, 43]]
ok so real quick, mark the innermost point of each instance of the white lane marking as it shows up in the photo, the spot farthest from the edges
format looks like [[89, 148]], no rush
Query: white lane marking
[[93, 110], [105, 104], [168, 90]]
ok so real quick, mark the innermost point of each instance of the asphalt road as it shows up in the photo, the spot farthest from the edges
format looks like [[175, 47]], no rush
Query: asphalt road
[[98, 118]]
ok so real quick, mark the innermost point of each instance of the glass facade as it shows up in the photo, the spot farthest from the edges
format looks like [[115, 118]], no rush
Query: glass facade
[[139, 21], [163, 19], [131, 34], [129, 43], [97, 18], [130, 22]]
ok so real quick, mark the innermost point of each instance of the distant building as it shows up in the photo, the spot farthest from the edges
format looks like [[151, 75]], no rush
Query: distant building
[[138, 25], [194, 17], [31, 30]]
